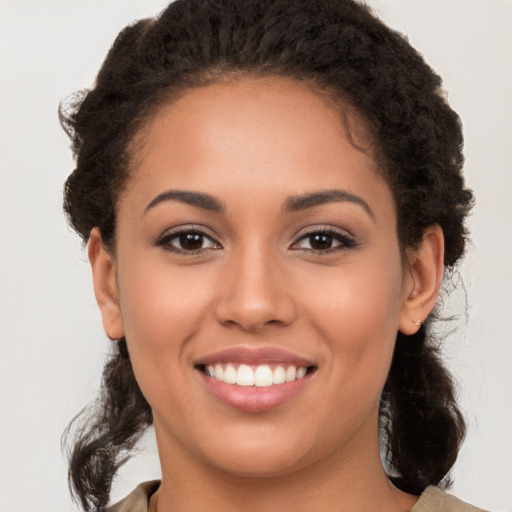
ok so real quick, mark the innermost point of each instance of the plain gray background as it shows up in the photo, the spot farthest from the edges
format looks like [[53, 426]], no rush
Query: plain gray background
[[52, 344]]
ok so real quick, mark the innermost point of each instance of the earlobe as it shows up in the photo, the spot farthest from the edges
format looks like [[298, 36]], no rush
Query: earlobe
[[103, 268], [424, 279]]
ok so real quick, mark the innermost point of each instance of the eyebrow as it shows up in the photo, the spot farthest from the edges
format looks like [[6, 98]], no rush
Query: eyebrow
[[198, 199], [291, 205], [312, 199]]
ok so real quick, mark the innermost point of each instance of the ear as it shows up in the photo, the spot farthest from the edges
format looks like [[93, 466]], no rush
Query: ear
[[423, 280], [103, 267]]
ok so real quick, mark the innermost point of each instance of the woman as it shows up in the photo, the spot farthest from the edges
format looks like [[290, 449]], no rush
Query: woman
[[271, 193]]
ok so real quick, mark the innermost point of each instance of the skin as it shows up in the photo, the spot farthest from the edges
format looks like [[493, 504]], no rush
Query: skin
[[258, 282]]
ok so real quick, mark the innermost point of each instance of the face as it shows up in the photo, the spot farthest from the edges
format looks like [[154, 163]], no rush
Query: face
[[259, 278]]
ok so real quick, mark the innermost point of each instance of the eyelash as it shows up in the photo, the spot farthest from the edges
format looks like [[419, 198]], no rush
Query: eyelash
[[166, 240], [344, 240]]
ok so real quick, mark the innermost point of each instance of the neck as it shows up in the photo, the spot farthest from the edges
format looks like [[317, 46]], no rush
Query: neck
[[352, 482]]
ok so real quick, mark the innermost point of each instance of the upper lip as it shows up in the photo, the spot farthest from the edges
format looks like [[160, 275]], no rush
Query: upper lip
[[254, 356]]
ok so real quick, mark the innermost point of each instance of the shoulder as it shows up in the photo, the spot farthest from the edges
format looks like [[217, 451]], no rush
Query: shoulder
[[137, 500], [434, 499]]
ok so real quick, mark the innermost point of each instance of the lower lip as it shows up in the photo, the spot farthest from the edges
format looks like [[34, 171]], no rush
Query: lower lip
[[254, 398]]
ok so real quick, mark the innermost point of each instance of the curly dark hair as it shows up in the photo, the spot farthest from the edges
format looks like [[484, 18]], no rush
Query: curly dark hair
[[340, 47]]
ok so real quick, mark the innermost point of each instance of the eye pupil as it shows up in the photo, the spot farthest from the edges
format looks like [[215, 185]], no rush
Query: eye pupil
[[320, 241], [191, 241]]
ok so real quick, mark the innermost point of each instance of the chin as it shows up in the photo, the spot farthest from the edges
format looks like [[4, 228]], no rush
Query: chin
[[260, 451], [246, 463]]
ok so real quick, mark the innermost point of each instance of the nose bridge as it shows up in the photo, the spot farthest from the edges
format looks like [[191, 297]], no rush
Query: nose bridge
[[253, 293]]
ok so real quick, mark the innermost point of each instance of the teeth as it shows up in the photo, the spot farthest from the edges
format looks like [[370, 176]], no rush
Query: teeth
[[300, 372], [229, 375], [259, 376], [245, 376], [279, 376], [218, 372], [291, 373], [263, 376]]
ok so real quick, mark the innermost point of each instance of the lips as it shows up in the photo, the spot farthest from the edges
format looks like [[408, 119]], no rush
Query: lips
[[254, 380]]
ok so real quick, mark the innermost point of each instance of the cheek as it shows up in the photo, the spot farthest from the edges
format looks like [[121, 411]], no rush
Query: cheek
[[357, 297], [357, 311], [162, 309], [159, 301]]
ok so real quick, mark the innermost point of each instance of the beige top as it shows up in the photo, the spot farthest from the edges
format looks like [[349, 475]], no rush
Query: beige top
[[433, 499]]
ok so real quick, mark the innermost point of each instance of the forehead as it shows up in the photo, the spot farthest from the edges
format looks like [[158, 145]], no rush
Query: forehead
[[254, 134]]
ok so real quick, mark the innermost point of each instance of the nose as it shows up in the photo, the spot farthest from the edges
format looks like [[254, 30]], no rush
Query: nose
[[254, 293]]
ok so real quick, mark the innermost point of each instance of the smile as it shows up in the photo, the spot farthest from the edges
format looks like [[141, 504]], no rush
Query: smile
[[255, 380], [260, 376]]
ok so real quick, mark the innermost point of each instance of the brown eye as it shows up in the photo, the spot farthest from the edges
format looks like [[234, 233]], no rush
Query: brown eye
[[187, 241], [320, 241], [324, 241], [191, 241]]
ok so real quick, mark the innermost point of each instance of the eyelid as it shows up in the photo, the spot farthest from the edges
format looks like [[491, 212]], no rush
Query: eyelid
[[346, 240], [170, 234]]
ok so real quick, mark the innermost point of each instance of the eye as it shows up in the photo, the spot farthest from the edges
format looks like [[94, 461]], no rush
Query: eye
[[187, 240], [324, 241]]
